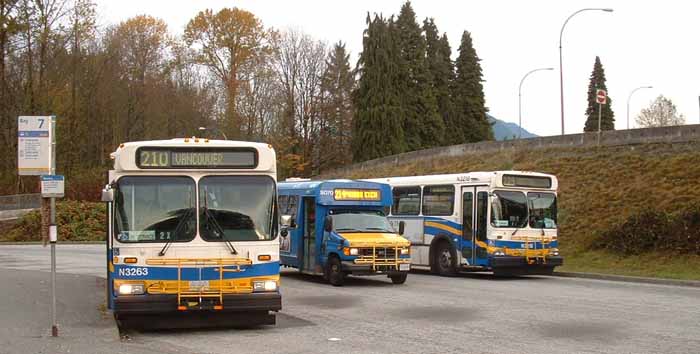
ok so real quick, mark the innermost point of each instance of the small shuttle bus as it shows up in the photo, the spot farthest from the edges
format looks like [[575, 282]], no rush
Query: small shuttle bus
[[192, 228], [339, 227], [504, 221]]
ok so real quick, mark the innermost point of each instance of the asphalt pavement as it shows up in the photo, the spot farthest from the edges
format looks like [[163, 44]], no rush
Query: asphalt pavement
[[429, 314]]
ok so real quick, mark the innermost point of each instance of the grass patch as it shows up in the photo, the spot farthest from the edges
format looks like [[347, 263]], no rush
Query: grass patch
[[660, 265]]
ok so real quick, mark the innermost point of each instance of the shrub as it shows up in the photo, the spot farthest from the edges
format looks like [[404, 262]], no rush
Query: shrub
[[76, 221]]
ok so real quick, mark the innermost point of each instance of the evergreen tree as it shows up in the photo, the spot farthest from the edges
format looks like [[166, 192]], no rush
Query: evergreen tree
[[607, 119], [377, 122], [337, 84], [442, 71], [468, 93], [423, 126]]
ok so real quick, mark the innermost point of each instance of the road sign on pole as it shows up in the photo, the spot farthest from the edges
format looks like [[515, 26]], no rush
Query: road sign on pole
[[34, 145], [52, 186], [601, 97]]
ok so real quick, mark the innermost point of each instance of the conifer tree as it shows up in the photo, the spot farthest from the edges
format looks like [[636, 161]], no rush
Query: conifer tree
[[607, 121], [377, 122], [423, 126], [442, 71], [468, 93], [337, 85]]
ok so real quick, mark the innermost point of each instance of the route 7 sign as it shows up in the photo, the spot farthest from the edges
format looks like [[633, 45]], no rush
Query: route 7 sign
[[34, 150], [601, 97]]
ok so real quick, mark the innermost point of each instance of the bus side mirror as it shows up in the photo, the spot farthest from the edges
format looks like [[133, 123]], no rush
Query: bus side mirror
[[328, 224], [108, 195], [402, 227], [286, 220]]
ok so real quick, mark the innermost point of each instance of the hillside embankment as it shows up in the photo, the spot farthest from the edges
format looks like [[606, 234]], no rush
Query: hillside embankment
[[630, 205]]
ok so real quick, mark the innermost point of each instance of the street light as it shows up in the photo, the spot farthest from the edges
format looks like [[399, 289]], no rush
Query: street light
[[628, 102], [561, 68], [520, 104], [203, 130]]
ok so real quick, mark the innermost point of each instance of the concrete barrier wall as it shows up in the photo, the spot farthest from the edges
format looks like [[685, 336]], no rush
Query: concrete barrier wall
[[683, 133]]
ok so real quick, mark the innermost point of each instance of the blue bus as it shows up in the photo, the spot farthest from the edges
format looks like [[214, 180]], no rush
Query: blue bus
[[339, 227]]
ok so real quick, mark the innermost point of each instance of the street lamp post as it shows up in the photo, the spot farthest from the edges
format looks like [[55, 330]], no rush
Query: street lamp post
[[628, 102], [203, 130], [561, 64], [520, 103]]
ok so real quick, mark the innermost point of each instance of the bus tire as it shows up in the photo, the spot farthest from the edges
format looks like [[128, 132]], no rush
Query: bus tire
[[444, 260], [398, 278], [335, 271]]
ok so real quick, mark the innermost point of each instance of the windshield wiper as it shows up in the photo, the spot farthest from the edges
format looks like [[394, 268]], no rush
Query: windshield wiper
[[378, 229], [211, 220], [176, 234], [347, 229]]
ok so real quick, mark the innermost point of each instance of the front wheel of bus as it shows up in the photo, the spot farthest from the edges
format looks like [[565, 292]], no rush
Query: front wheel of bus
[[444, 260], [398, 278], [335, 271]]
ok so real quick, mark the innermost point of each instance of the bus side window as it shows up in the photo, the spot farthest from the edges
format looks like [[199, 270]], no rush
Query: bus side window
[[482, 204], [438, 200], [289, 205], [406, 201]]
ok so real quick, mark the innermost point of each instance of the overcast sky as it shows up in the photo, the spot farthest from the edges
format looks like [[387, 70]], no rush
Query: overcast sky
[[640, 43]]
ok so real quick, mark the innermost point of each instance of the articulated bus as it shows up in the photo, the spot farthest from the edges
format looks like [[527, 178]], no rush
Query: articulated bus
[[339, 227], [504, 221], [192, 228]]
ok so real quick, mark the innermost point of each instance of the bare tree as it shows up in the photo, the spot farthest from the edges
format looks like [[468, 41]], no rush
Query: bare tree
[[660, 113]]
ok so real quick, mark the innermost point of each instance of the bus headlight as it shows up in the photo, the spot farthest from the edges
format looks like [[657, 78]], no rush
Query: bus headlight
[[499, 253], [131, 289], [351, 251], [264, 285], [553, 251], [405, 251]]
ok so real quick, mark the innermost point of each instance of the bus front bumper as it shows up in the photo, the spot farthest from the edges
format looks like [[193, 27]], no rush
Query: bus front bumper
[[164, 303], [369, 269], [522, 265]]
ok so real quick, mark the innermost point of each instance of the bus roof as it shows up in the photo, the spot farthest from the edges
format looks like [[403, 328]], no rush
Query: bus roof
[[491, 178], [125, 158], [340, 192]]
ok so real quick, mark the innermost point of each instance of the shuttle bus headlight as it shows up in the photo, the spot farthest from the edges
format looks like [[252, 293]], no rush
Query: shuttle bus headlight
[[553, 251], [351, 251], [131, 289], [264, 285], [405, 251], [499, 253]]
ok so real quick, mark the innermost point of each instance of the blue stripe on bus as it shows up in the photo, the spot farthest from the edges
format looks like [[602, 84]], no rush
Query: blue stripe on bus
[[191, 273]]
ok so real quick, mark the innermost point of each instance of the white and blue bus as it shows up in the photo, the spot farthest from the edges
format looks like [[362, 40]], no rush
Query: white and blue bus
[[503, 221], [192, 228]]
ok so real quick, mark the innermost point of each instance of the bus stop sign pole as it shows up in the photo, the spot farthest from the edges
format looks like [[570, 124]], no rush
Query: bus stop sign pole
[[53, 234]]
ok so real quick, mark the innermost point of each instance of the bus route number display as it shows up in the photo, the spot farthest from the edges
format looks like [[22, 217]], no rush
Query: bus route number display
[[357, 194], [160, 158]]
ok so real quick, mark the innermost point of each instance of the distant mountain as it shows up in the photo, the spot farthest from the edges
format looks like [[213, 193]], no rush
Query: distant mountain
[[507, 130]]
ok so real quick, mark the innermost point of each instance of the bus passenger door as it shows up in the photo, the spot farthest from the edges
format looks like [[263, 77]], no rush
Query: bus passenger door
[[468, 231], [309, 234], [480, 227]]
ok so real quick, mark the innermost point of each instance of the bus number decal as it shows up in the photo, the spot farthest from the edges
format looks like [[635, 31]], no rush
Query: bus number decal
[[133, 272]]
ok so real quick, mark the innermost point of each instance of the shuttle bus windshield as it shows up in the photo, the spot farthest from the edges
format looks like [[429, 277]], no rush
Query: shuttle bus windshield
[[361, 221]]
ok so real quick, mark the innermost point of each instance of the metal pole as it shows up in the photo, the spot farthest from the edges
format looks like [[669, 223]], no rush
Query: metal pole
[[600, 110], [520, 88], [52, 224], [628, 103], [561, 63]]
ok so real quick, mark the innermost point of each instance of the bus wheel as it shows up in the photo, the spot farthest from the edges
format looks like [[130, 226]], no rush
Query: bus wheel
[[398, 278], [335, 272], [444, 260]]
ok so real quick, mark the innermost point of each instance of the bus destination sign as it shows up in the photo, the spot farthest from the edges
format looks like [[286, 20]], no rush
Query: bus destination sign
[[357, 194], [162, 158]]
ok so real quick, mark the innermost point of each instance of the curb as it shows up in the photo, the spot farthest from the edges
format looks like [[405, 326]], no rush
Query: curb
[[629, 279]]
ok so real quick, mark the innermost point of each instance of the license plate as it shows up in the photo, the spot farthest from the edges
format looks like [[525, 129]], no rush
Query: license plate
[[199, 284], [404, 267]]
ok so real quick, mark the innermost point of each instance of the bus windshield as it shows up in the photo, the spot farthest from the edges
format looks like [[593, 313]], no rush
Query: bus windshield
[[543, 210], [155, 209], [360, 221], [236, 208], [509, 209]]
